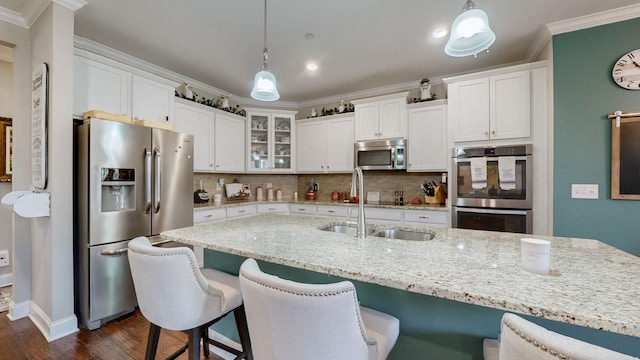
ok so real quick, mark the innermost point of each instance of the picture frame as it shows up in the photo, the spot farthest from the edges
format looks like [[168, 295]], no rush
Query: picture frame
[[39, 143], [6, 149], [625, 159]]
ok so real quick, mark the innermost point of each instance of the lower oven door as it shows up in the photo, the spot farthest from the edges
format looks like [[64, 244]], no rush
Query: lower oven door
[[505, 220]]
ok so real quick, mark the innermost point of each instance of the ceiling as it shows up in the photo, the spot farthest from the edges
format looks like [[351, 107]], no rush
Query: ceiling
[[357, 44]]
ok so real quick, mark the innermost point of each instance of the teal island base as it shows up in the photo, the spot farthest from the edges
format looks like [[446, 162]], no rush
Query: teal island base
[[430, 327]]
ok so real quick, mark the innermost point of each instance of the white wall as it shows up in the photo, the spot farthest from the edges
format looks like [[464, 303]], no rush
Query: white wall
[[6, 110]]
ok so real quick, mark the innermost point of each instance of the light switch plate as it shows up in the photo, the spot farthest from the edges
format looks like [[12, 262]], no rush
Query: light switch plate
[[584, 191]]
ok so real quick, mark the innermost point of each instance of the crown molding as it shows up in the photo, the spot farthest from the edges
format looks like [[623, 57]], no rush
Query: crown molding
[[544, 36], [12, 17], [597, 19], [383, 90], [34, 9]]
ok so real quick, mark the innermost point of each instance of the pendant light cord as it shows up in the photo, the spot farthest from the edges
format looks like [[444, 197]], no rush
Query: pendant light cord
[[265, 54]]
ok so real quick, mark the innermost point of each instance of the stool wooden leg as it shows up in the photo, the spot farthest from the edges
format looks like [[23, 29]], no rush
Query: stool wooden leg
[[204, 334], [194, 343], [152, 341], [243, 331]]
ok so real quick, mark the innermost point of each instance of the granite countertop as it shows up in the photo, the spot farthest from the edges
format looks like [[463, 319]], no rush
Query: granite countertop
[[591, 284], [209, 205]]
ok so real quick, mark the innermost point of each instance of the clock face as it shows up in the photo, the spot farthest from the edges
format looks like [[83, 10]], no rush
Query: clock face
[[626, 71]]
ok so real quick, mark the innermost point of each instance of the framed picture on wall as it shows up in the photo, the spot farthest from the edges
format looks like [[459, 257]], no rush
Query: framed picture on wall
[[6, 149], [625, 159], [39, 104]]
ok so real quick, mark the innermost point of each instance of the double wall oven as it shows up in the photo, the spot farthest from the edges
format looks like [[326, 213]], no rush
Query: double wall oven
[[491, 188]]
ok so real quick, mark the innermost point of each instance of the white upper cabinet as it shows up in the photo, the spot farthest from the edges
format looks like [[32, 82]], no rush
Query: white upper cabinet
[[198, 121], [97, 86], [381, 117], [229, 142], [491, 107], [270, 139], [152, 99], [104, 84], [427, 138], [218, 137], [325, 145]]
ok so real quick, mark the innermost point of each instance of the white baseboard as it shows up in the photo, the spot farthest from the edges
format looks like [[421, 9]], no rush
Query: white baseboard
[[6, 279], [18, 311], [52, 330], [223, 340]]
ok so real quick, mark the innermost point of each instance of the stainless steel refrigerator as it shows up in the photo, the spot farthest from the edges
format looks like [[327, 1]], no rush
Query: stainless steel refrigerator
[[130, 181]]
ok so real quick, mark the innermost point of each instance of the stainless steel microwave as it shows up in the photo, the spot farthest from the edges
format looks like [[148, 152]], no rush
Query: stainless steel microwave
[[384, 154]]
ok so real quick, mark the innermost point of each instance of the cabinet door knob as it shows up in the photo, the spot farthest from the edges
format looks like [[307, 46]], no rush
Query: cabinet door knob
[[217, 166], [321, 166], [486, 133], [493, 132], [327, 167], [210, 165]]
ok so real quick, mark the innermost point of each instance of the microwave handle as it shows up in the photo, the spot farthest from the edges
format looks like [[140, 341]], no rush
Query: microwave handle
[[393, 156]]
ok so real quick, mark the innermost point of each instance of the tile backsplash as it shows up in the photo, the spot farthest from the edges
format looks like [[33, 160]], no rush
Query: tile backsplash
[[384, 182]]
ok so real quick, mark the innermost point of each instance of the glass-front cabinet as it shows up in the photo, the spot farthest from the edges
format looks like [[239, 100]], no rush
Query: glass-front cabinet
[[270, 136]]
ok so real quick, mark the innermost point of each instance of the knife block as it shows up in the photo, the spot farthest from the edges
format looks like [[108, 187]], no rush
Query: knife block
[[438, 197]]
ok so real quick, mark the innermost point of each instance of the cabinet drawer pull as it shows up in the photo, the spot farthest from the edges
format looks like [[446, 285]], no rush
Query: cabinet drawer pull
[[272, 209], [331, 211], [423, 217], [302, 209], [208, 216], [241, 211]]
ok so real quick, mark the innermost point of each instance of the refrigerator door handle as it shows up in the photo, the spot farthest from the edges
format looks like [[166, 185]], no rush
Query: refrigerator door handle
[[148, 179], [116, 252], [158, 184]]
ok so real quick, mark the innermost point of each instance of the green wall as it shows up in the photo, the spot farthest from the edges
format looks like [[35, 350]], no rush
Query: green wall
[[584, 93]]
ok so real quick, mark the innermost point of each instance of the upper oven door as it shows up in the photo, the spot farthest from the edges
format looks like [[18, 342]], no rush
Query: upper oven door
[[517, 195]]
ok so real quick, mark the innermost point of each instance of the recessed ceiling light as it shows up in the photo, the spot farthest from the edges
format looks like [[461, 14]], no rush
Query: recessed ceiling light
[[312, 66], [440, 33], [309, 36]]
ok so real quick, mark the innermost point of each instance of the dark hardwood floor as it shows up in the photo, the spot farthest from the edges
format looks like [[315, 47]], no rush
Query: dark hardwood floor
[[123, 338]]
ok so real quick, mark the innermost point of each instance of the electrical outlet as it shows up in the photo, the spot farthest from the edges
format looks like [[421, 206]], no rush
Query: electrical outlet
[[584, 191], [4, 258]]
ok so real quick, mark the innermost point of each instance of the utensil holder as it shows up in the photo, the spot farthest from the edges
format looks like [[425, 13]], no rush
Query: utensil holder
[[438, 197]]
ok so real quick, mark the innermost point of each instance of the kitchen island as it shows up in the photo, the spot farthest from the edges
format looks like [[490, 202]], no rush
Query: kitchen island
[[591, 284]]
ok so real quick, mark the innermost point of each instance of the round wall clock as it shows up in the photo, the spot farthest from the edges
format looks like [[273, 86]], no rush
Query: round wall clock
[[626, 71]]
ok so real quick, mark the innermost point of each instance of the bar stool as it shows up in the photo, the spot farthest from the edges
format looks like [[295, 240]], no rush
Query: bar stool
[[291, 320], [521, 339], [173, 293]]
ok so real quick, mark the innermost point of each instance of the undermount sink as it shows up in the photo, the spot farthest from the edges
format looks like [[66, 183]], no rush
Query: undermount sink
[[346, 229], [383, 233], [405, 234]]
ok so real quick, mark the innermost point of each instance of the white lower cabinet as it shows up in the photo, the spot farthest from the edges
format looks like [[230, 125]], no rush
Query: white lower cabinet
[[207, 215], [240, 211], [273, 208], [339, 211], [381, 214], [304, 209], [426, 217]]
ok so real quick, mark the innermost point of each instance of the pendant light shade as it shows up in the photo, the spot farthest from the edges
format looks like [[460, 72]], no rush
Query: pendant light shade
[[264, 85], [470, 32]]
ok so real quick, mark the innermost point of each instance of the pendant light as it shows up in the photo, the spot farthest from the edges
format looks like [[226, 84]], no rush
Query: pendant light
[[470, 32], [264, 86]]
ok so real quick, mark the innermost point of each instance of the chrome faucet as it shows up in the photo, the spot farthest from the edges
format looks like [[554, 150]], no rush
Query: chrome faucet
[[357, 173]]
